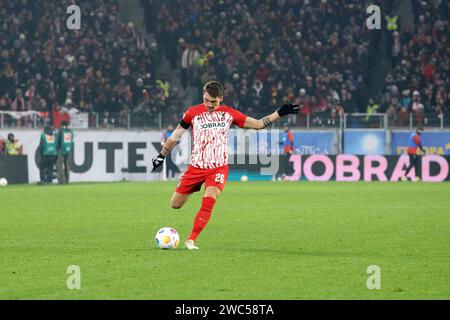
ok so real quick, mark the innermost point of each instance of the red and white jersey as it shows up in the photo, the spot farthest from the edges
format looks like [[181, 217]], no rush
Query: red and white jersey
[[210, 134]]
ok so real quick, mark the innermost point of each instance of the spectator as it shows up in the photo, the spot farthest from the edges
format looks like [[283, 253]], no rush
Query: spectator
[[12, 146], [372, 108], [392, 114], [417, 108], [60, 114], [406, 99], [349, 103]]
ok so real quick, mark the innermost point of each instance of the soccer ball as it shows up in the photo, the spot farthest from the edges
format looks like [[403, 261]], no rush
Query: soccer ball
[[3, 182], [167, 238], [244, 178]]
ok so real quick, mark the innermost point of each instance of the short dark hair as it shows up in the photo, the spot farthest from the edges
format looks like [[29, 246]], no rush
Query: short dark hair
[[214, 88], [419, 128]]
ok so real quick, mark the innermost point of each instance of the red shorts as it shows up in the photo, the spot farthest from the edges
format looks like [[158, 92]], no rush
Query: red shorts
[[192, 179]]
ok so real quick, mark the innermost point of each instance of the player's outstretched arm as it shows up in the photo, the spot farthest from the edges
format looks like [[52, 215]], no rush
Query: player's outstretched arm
[[285, 109], [168, 146]]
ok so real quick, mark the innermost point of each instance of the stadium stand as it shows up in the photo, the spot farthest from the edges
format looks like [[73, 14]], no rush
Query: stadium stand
[[316, 53], [267, 51], [419, 82], [106, 67]]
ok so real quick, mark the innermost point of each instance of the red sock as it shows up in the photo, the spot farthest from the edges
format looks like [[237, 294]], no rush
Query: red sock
[[202, 217]]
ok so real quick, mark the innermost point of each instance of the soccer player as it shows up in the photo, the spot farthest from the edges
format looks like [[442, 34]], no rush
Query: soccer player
[[210, 123], [414, 143], [287, 140]]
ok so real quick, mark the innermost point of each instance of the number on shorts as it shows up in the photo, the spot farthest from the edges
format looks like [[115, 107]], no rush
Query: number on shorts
[[220, 178]]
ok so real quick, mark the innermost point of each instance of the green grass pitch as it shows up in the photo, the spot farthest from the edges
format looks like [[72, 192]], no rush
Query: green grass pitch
[[265, 240]]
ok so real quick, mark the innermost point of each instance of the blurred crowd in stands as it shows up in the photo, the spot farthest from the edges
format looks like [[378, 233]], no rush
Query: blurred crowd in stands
[[419, 82], [269, 52], [317, 53], [266, 52], [106, 66]]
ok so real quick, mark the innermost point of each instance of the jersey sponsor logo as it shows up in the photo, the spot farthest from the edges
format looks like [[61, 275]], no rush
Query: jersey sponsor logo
[[211, 125]]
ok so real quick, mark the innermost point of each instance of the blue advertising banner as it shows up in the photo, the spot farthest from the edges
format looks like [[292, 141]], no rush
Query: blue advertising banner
[[242, 141], [364, 142], [433, 142], [270, 142], [315, 142]]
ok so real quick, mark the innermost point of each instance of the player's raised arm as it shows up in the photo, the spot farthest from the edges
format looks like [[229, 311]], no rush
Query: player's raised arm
[[168, 146], [285, 109]]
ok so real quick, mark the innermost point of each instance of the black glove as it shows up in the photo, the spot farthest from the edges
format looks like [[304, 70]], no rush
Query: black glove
[[288, 109], [157, 161]]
